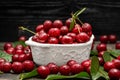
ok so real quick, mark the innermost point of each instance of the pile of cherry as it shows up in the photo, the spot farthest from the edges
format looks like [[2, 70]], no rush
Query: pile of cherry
[[21, 58], [57, 32]]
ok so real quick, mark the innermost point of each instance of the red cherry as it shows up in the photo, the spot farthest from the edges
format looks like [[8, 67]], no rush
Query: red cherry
[[6, 67], [100, 54], [73, 35], [39, 28], [17, 67], [114, 74], [112, 38], [29, 56], [54, 69], [43, 37], [116, 63], [76, 68], [108, 65], [19, 51], [22, 57], [71, 62], [19, 46], [11, 50], [47, 25], [43, 71], [27, 49], [117, 45], [64, 30], [101, 60], [82, 37], [86, 64], [67, 39], [54, 32], [67, 22], [7, 45], [118, 57], [53, 40], [64, 70], [22, 38], [103, 38], [2, 60], [35, 38], [86, 27], [15, 57], [88, 69], [57, 24], [77, 28], [28, 65], [101, 47]]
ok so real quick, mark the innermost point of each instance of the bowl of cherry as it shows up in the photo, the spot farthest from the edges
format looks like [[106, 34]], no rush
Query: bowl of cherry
[[55, 42]]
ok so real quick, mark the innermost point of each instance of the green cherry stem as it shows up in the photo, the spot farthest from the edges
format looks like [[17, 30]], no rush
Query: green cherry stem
[[23, 28]]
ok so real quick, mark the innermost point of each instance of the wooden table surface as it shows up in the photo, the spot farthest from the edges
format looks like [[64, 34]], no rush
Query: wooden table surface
[[9, 76]]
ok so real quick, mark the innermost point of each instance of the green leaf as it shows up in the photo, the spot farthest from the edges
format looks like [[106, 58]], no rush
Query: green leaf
[[19, 42], [82, 75], [6, 56], [28, 75], [93, 53], [107, 56], [115, 53], [94, 66]]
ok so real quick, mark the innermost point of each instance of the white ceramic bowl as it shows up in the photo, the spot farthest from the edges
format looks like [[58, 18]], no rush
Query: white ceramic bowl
[[59, 53]]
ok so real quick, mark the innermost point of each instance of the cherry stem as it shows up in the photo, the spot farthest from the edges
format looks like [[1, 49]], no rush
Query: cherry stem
[[23, 28], [80, 21]]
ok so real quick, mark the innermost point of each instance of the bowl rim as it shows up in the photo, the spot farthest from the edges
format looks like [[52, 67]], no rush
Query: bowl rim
[[33, 43]]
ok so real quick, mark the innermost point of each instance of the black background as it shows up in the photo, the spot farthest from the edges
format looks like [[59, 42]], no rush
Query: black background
[[104, 16]]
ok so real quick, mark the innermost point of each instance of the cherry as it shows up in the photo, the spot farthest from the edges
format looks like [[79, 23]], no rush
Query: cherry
[[43, 71], [114, 74], [22, 57], [29, 56], [76, 68], [19, 46], [6, 67], [54, 69], [67, 22], [28, 65], [11, 50], [53, 40], [2, 60], [101, 47], [39, 28], [15, 57], [86, 64], [7, 45], [108, 65], [43, 37], [77, 29], [57, 24], [100, 54], [17, 67], [54, 32], [82, 37], [103, 38], [101, 60], [116, 63], [64, 30], [118, 57], [66, 39], [64, 69], [19, 51], [88, 69], [47, 25], [27, 49], [112, 38], [73, 35], [86, 27], [117, 45], [35, 38], [71, 62], [22, 38]]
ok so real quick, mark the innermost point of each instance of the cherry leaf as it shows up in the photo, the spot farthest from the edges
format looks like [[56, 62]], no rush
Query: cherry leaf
[[6, 56], [81, 75], [107, 56]]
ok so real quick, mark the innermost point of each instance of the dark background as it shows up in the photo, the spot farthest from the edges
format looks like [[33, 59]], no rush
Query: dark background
[[104, 16]]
